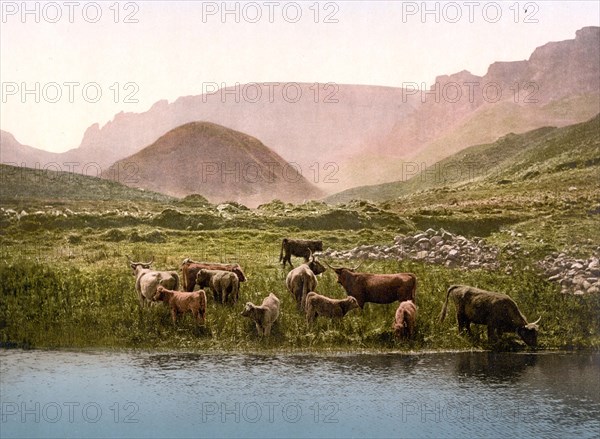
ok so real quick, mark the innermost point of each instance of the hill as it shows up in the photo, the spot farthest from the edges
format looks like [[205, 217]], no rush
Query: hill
[[20, 183], [219, 163], [368, 131], [541, 156]]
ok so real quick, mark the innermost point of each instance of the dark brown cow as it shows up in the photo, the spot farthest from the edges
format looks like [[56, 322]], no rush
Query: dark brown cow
[[405, 320], [298, 247], [496, 310], [376, 288], [191, 268]]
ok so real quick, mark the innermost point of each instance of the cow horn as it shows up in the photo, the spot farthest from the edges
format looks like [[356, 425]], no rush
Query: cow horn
[[537, 321], [310, 255], [330, 266], [358, 266], [151, 261]]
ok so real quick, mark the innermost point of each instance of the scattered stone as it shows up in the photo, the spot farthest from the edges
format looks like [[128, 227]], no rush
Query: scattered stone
[[432, 246], [575, 275]]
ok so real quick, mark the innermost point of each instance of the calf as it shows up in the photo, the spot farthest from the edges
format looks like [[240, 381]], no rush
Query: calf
[[225, 285], [181, 302], [496, 310], [405, 320], [317, 305], [264, 315]]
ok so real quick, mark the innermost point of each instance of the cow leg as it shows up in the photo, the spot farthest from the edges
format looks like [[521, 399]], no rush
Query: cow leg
[[461, 321], [288, 258], [491, 332], [174, 316]]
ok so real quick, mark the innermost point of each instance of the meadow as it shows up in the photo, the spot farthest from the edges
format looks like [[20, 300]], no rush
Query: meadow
[[72, 288]]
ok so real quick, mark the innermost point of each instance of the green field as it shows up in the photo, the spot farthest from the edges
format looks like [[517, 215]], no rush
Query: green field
[[66, 282]]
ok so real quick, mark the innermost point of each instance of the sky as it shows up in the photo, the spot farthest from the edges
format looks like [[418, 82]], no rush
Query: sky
[[67, 65]]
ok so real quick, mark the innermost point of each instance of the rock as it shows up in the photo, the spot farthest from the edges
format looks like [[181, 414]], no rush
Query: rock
[[435, 240], [453, 254], [423, 244], [593, 290], [577, 266], [422, 254], [450, 264], [430, 232], [579, 293], [446, 236]]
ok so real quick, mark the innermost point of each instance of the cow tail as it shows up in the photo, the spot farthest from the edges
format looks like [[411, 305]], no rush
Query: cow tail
[[442, 315], [281, 252], [177, 280], [304, 294], [184, 273], [414, 291]]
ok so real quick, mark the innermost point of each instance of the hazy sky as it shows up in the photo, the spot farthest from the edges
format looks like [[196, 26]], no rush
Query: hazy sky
[[63, 53]]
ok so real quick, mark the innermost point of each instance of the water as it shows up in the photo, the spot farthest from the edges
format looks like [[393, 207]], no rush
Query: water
[[51, 394]]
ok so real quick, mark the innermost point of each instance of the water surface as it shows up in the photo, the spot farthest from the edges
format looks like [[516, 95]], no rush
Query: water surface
[[51, 394]]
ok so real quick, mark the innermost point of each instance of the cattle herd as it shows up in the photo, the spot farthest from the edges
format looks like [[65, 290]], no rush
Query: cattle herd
[[495, 310]]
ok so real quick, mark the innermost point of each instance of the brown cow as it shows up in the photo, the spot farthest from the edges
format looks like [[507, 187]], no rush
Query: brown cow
[[298, 247], [318, 305], [191, 268], [181, 302], [147, 280], [405, 320], [225, 285], [302, 280], [496, 310], [376, 288]]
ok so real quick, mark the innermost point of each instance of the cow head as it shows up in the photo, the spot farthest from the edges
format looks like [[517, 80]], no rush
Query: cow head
[[529, 333], [248, 309], [136, 265], [315, 266], [239, 273], [202, 278], [349, 304], [341, 272], [159, 293]]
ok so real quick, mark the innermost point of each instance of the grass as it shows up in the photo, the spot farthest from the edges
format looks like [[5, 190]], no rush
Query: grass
[[84, 297]]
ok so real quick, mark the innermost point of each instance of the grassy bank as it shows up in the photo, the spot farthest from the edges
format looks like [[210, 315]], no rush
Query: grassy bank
[[83, 296]]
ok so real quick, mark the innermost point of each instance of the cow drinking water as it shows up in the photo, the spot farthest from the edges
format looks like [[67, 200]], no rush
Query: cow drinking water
[[496, 310]]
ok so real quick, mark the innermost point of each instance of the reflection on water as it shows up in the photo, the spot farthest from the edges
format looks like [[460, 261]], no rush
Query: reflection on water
[[142, 394]]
